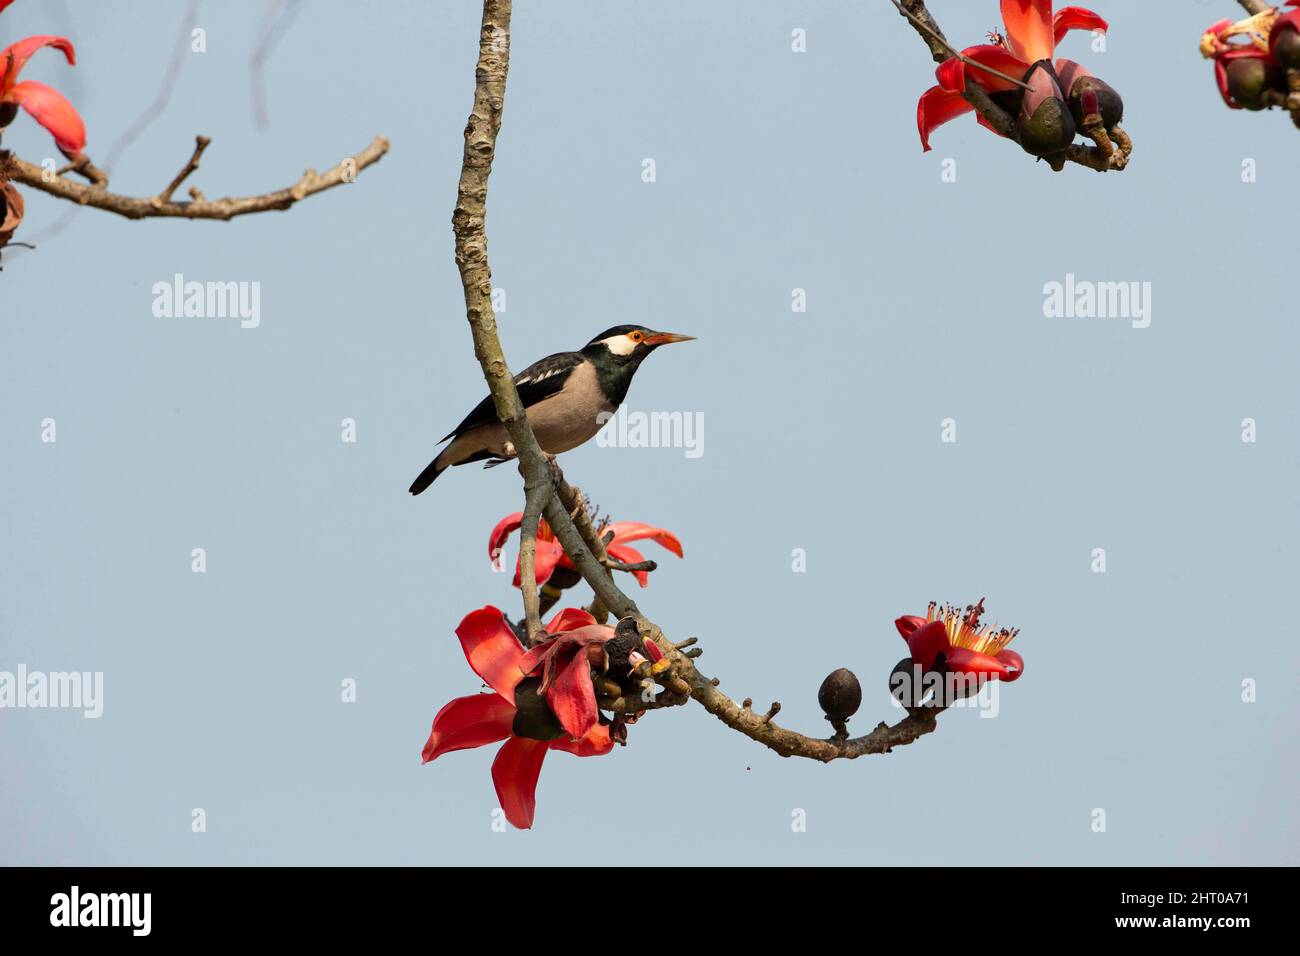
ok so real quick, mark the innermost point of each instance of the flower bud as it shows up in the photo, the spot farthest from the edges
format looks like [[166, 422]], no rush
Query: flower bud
[[1046, 125], [840, 695], [1249, 78], [1089, 94], [1286, 47], [7, 113], [533, 718]]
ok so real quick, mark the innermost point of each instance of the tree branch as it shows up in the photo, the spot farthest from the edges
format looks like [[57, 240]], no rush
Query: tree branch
[[564, 509], [163, 207]]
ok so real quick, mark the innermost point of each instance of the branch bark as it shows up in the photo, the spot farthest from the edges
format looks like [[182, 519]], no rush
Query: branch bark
[[563, 508], [163, 206]]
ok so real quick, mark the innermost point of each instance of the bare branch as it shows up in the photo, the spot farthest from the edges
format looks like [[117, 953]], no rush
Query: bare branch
[[200, 144], [564, 510], [154, 207]]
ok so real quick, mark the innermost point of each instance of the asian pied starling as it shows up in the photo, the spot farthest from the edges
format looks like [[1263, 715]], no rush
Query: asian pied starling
[[568, 397]]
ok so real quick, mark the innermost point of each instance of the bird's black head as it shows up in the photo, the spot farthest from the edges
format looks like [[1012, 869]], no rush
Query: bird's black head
[[618, 352], [629, 344]]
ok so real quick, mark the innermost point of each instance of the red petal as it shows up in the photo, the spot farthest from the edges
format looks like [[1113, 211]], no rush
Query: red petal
[[1291, 20], [572, 698], [621, 552], [1029, 28], [469, 722], [595, 744], [926, 642], [995, 57], [5, 3], [1076, 18], [545, 652], [952, 74], [492, 649], [537, 655], [909, 623], [1042, 86], [569, 619], [1069, 72], [514, 774], [936, 107], [546, 556], [15, 56], [636, 531], [1221, 77], [652, 649], [497, 540], [964, 661], [1014, 661], [49, 108]]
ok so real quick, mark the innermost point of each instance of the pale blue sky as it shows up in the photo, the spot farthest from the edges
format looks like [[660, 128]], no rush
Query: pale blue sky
[[775, 171]]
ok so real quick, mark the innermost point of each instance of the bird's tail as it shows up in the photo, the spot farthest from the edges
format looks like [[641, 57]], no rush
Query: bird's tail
[[428, 476]]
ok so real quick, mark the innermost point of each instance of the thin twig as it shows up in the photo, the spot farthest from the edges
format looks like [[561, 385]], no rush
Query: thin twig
[[939, 38], [150, 207], [200, 144]]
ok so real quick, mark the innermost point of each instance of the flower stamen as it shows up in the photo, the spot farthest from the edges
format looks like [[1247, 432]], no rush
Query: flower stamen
[[964, 628]]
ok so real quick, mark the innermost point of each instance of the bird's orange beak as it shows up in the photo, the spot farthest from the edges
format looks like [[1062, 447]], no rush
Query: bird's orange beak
[[667, 338]]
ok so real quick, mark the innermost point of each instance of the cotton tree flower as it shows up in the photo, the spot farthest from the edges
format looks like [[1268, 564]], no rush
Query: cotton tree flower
[[550, 553], [1049, 110], [953, 639], [45, 105], [1251, 55], [516, 711]]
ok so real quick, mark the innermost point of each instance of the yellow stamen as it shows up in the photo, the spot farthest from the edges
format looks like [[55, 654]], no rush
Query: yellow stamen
[[964, 628]]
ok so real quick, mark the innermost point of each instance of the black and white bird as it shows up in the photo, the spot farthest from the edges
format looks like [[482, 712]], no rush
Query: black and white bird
[[568, 397]]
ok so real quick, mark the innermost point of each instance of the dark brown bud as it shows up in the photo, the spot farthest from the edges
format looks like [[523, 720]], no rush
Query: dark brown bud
[[7, 113], [840, 695], [1050, 130], [1249, 78], [1046, 125], [1090, 93], [533, 718], [1286, 48]]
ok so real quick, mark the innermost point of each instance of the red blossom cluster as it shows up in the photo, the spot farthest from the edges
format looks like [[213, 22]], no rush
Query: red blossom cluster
[[1049, 100], [543, 696], [1252, 58]]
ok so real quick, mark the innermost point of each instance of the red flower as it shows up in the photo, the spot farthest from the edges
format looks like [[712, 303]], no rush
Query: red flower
[[1025, 54], [966, 647], [566, 661], [550, 553], [494, 653], [46, 105], [1266, 40]]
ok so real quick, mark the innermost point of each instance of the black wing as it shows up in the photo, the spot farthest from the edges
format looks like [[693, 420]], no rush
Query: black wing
[[540, 380]]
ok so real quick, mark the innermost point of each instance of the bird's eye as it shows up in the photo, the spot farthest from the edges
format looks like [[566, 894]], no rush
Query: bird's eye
[[636, 336]]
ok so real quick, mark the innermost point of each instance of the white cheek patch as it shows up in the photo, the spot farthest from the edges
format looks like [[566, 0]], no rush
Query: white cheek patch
[[620, 344]]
